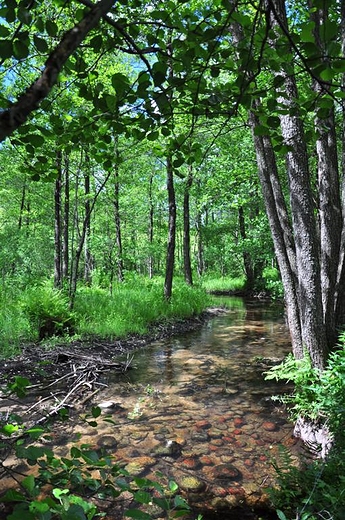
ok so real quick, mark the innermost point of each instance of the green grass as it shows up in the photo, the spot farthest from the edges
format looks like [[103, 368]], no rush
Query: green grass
[[224, 284], [132, 307]]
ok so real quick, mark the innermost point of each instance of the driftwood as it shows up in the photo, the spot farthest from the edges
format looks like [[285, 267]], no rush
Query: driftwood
[[78, 384]]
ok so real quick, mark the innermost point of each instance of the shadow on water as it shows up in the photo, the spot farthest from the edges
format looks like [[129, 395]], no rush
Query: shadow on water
[[197, 409]]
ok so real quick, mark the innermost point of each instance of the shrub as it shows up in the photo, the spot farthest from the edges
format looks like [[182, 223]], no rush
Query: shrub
[[48, 311], [316, 491]]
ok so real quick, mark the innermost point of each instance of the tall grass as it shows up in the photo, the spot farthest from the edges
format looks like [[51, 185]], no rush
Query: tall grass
[[224, 283], [133, 306], [15, 326], [39, 311]]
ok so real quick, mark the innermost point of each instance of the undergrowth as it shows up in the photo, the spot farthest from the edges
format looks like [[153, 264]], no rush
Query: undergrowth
[[315, 491], [224, 283], [40, 312]]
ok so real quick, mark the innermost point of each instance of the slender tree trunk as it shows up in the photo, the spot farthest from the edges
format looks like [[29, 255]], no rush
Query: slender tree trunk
[[65, 230], [330, 214], [340, 286], [186, 229], [87, 252], [150, 229], [117, 218], [170, 258], [22, 207], [200, 249], [57, 225], [248, 264]]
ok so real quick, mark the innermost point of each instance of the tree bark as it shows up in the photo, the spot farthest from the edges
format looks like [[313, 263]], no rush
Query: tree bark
[[150, 229], [117, 217], [281, 232], [170, 258], [303, 211], [87, 252], [65, 231], [186, 229], [57, 224], [330, 214]]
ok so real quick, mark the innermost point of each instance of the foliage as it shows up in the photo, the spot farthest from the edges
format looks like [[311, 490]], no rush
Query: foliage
[[313, 491], [272, 282], [318, 395], [48, 311], [317, 490], [41, 312], [225, 284], [133, 306]]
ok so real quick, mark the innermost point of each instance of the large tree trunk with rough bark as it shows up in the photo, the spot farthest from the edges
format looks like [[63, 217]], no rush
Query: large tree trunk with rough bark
[[307, 238]]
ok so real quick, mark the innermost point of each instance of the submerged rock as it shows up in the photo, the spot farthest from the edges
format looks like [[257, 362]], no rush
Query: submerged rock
[[190, 483], [226, 472]]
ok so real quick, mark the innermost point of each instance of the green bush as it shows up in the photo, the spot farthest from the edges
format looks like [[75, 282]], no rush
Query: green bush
[[317, 490], [48, 311]]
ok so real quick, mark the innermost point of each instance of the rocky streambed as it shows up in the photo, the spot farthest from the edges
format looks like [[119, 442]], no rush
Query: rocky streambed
[[196, 410]]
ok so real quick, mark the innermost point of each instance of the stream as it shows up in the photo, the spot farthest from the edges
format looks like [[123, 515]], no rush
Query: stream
[[196, 409]]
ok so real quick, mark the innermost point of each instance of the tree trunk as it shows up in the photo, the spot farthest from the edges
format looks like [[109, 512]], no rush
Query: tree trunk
[[65, 231], [200, 254], [281, 232], [117, 218], [186, 230], [150, 230], [170, 257], [87, 252], [340, 286], [57, 224], [330, 215], [303, 211]]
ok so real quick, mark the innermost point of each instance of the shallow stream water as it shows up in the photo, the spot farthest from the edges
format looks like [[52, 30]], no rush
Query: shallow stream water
[[197, 409]]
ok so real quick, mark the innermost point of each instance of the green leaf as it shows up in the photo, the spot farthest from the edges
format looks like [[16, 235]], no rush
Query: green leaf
[[52, 28], [34, 139], [281, 515], [143, 497], [28, 483], [173, 486], [6, 49], [40, 44], [8, 429], [40, 508], [58, 493], [261, 130], [20, 49], [96, 43], [96, 412], [13, 496]]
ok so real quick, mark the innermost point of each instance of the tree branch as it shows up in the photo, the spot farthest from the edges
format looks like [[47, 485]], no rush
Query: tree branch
[[14, 117]]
